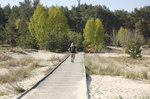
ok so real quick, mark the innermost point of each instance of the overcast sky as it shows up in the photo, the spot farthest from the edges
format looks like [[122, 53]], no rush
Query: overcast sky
[[127, 5]]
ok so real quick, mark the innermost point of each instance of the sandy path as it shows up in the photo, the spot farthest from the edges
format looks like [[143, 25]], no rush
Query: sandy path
[[107, 87]]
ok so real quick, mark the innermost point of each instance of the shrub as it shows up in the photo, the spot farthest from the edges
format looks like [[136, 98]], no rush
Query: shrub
[[19, 90], [5, 57], [148, 42], [133, 48]]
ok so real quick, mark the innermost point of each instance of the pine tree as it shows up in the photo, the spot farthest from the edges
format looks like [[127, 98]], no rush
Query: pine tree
[[7, 12], [35, 3], [79, 19], [10, 29]]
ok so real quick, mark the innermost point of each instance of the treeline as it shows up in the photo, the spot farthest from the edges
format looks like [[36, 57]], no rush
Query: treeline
[[32, 25], [136, 22]]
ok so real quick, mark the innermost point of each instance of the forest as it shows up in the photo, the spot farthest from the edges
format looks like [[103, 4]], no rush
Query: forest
[[31, 25]]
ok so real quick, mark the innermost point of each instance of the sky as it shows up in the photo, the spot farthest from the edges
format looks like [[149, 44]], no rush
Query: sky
[[127, 5]]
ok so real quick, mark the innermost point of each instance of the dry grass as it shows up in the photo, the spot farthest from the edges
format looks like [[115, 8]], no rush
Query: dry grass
[[7, 48], [15, 88], [48, 70], [138, 61], [18, 89], [55, 60], [19, 69], [97, 67], [22, 62], [35, 65], [17, 50], [2, 93], [110, 66], [145, 97], [5, 57], [15, 75]]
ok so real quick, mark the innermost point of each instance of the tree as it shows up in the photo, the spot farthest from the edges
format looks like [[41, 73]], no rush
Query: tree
[[142, 27], [134, 48], [58, 27], [38, 25], [10, 29], [35, 3], [2, 24], [89, 31], [99, 32], [50, 29], [122, 36], [2, 17], [94, 33], [107, 39], [79, 29], [26, 10], [7, 12], [76, 38]]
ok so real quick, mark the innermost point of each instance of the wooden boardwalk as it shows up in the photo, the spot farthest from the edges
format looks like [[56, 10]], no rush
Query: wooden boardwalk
[[68, 81]]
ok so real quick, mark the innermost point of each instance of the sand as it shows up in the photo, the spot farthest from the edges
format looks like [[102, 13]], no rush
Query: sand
[[43, 58], [108, 87]]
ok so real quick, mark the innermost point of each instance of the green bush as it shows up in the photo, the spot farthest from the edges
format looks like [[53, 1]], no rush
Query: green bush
[[148, 42], [133, 48], [27, 41], [107, 39], [77, 39]]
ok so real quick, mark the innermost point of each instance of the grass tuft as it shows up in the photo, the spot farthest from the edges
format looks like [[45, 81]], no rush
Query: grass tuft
[[104, 66], [144, 97], [19, 90], [48, 70], [5, 57], [15, 75], [2, 93]]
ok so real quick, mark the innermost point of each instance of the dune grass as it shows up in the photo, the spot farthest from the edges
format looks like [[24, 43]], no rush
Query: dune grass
[[19, 90], [19, 69], [2, 93], [15, 75], [98, 69], [144, 97], [105, 66], [5, 57], [55, 61]]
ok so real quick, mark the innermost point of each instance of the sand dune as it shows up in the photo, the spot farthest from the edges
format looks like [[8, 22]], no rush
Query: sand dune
[[108, 87]]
